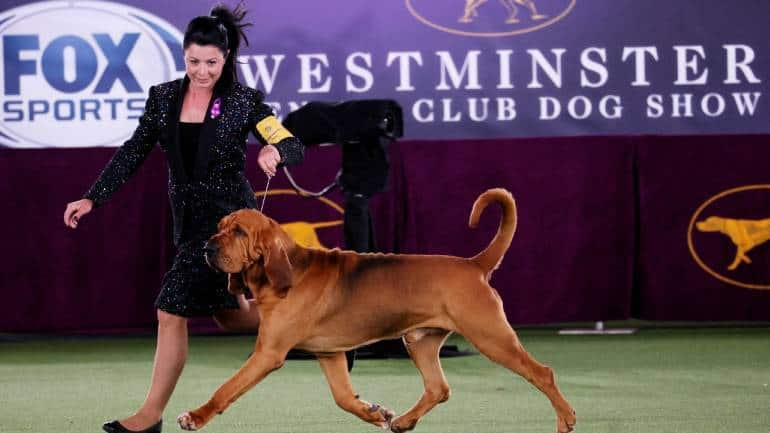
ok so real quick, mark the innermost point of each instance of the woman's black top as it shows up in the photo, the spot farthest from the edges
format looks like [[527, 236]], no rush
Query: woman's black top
[[188, 140]]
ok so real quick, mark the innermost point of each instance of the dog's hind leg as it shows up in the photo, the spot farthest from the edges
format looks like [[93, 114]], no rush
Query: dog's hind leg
[[335, 368], [484, 324], [424, 351]]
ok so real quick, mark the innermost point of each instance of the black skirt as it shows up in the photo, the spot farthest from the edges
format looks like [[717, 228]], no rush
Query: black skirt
[[192, 288]]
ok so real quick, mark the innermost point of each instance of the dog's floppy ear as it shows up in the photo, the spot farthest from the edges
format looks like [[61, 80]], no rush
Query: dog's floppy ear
[[235, 284], [278, 268]]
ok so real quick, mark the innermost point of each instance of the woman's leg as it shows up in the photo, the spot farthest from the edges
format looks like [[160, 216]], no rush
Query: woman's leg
[[170, 356]]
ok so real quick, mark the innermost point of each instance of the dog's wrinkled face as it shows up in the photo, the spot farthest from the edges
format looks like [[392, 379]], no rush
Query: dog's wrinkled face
[[235, 246], [247, 240]]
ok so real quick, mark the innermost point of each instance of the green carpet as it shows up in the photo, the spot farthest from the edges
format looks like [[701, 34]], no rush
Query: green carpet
[[713, 380]]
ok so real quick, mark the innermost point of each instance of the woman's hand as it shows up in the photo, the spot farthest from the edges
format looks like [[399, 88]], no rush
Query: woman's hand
[[268, 159], [243, 303], [76, 210]]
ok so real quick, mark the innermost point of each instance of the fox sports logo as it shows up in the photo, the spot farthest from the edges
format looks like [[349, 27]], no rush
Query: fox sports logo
[[77, 73]]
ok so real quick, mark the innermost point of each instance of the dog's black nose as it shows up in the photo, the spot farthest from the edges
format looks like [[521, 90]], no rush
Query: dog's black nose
[[210, 248]]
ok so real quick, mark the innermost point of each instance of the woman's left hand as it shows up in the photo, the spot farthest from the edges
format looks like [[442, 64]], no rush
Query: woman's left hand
[[243, 303], [268, 159]]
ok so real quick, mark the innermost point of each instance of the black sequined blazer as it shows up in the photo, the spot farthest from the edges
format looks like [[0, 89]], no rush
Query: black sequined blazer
[[218, 185]]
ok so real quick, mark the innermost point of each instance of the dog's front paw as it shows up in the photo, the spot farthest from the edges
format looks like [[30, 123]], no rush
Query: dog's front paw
[[187, 421], [403, 424], [567, 424], [384, 415]]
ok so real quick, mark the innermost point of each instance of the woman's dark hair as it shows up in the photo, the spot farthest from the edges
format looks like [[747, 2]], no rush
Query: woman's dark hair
[[222, 28]]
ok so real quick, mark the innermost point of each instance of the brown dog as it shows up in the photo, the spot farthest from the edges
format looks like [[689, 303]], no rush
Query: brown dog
[[328, 302]]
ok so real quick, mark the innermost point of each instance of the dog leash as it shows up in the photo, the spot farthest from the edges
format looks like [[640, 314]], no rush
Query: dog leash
[[264, 196]]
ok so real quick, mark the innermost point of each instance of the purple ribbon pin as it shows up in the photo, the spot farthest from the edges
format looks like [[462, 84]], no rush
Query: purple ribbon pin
[[215, 108]]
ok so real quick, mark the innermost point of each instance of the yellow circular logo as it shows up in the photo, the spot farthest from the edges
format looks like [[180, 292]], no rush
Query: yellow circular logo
[[484, 18], [729, 228]]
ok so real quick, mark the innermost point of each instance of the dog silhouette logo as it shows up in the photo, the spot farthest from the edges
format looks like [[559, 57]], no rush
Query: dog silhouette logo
[[489, 18], [305, 233], [726, 257], [745, 234], [472, 6]]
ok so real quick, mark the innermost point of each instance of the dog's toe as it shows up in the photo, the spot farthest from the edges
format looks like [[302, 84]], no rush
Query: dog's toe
[[186, 422], [385, 413], [403, 424], [565, 426]]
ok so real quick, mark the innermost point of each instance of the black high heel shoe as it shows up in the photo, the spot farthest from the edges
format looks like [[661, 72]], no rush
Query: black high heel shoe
[[116, 427]]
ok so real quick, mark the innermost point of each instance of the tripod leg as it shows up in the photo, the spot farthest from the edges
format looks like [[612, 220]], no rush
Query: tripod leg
[[357, 223]]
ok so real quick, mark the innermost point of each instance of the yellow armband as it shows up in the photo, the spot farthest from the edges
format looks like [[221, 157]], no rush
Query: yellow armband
[[272, 131]]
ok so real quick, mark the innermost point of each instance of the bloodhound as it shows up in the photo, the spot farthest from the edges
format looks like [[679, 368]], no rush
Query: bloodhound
[[330, 301]]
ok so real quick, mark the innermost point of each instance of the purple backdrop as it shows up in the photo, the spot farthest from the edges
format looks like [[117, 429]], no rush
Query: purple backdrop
[[602, 230], [676, 177]]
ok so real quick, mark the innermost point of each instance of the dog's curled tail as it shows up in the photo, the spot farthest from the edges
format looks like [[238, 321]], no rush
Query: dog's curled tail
[[490, 258]]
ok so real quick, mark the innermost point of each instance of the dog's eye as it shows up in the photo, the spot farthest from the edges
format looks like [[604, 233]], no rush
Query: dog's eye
[[239, 232]]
